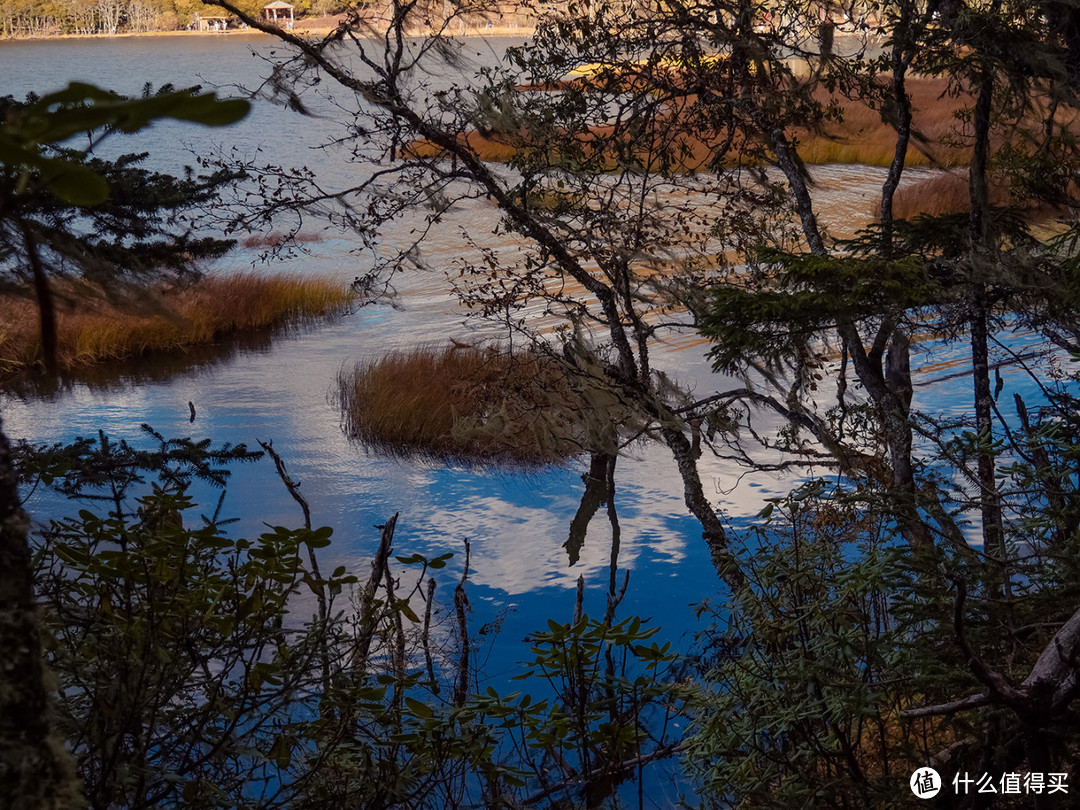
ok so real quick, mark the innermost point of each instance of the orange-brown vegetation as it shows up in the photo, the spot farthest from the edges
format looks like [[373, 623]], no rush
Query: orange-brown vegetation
[[948, 192], [943, 193], [276, 239], [865, 136], [92, 329], [465, 403]]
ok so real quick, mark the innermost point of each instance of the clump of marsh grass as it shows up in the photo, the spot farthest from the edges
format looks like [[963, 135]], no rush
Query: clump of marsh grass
[[940, 194], [94, 329], [949, 192], [465, 403], [277, 239]]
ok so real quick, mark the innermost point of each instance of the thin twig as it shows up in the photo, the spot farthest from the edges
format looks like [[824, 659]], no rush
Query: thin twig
[[1001, 690], [615, 768], [294, 489], [315, 581], [290, 484]]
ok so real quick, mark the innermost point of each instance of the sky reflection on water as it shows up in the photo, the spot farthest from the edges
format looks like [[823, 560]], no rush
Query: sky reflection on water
[[517, 523]]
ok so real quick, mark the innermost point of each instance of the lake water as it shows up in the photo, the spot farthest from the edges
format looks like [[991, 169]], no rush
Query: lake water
[[517, 523]]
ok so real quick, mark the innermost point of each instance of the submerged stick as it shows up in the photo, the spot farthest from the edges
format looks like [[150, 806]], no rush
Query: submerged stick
[[399, 636], [579, 601], [425, 638], [461, 605], [369, 619]]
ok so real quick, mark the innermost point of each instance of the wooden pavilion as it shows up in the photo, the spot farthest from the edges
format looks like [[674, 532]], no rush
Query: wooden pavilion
[[275, 13]]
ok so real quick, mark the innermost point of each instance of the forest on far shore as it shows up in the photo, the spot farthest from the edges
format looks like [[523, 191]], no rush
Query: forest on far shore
[[37, 19], [44, 18]]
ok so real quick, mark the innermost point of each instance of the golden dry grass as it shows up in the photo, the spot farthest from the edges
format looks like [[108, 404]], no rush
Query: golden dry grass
[[469, 404], [944, 193], [863, 136], [276, 239], [949, 193], [93, 330]]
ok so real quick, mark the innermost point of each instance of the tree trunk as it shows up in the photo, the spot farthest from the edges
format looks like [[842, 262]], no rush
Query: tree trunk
[[786, 159], [902, 124], [35, 772], [891, 398], [981, 250], [698, 504]]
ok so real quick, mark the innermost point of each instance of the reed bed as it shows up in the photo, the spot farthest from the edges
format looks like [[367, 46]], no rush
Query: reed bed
[[466, 404], [944, 193], [949, 193], [92, 329], [863, 137]]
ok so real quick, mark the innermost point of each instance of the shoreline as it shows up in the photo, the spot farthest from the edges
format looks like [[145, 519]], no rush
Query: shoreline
[[469, 32]]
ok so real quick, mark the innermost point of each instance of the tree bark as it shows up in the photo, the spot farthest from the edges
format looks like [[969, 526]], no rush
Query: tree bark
[[786, 160], [35, 771], [902, 124], [893, 408], [698, 504], [981, 250]]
